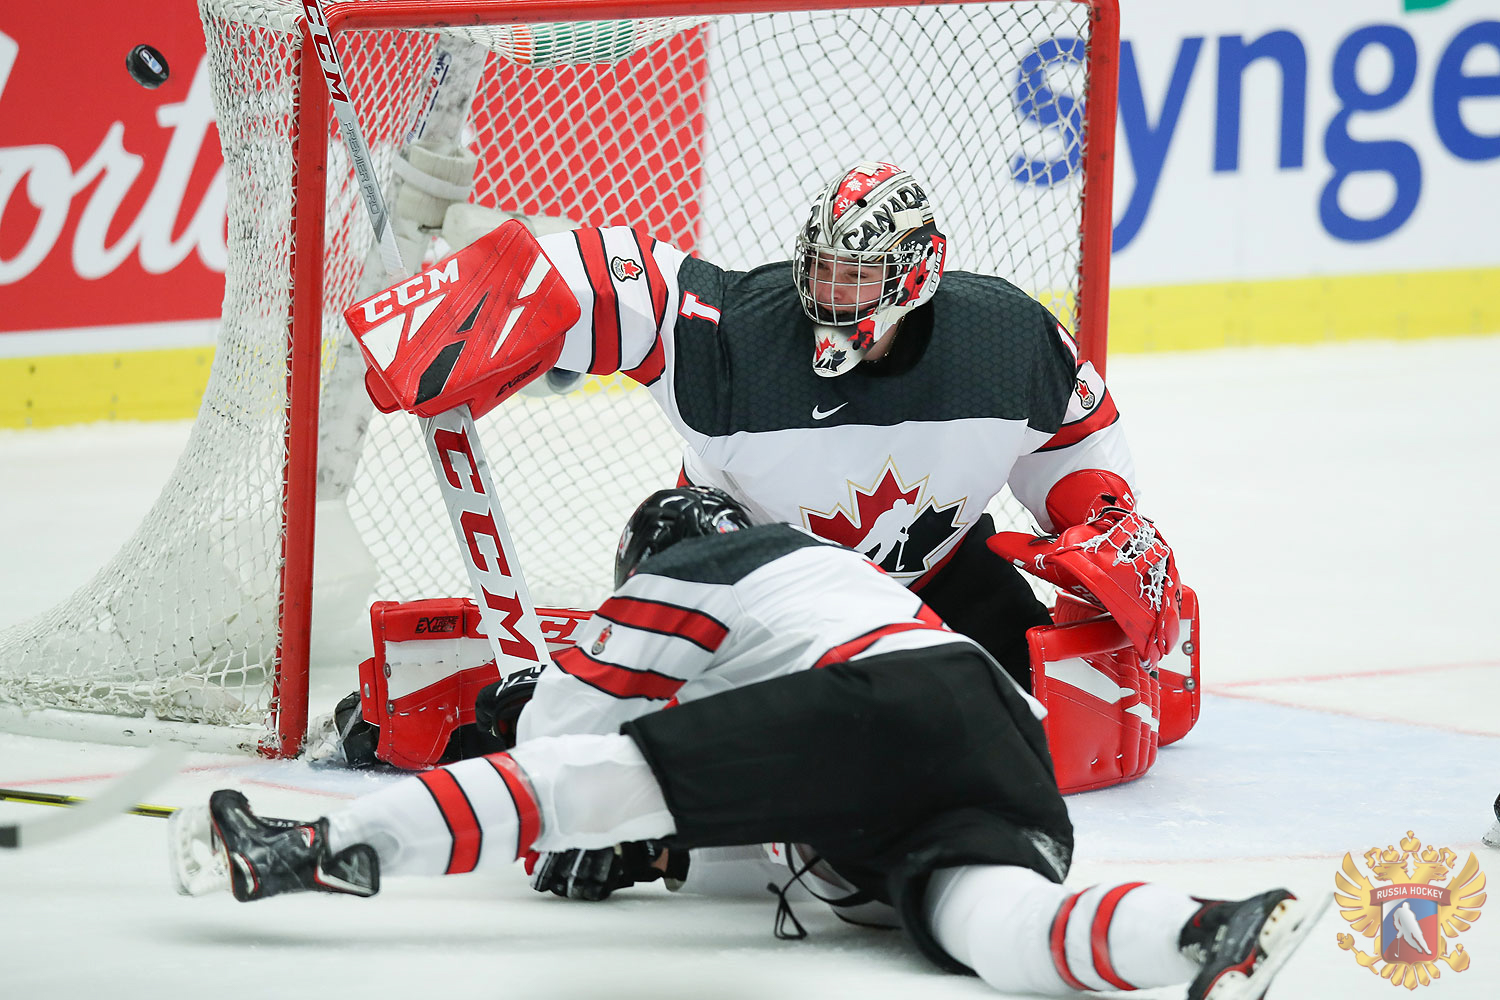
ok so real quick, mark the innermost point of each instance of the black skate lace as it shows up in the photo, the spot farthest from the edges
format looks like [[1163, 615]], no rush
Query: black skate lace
[[784, 907]]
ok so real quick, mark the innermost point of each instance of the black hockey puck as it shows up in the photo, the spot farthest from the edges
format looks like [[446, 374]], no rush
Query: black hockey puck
[[147, 66]]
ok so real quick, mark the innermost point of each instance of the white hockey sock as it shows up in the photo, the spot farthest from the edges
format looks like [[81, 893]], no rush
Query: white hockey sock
[[1022, 933], [547, 794]]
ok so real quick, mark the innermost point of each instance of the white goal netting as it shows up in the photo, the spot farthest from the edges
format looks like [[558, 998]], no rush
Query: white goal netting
[[710, 133]]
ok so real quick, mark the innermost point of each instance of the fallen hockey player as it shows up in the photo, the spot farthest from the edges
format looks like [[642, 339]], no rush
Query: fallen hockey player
[[812, 702]]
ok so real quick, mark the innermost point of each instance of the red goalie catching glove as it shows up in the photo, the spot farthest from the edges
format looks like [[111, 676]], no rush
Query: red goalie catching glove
[[1116, 560]]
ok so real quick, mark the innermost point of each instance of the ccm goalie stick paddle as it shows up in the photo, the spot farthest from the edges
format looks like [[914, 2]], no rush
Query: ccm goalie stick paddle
[[120, 797], [492, 580]]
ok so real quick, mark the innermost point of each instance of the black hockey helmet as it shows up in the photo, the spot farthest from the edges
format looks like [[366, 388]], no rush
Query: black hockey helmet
[[668, 516]]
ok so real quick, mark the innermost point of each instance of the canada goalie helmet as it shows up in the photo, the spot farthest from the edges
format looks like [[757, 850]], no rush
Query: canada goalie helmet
[[669, 516], [869, 253]]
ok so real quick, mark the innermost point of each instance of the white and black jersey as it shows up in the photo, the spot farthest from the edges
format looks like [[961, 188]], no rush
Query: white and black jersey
[[895, 459], [710, 615]]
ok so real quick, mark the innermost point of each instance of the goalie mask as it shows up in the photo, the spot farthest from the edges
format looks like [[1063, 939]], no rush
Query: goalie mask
[[669, 516], [869, 254]]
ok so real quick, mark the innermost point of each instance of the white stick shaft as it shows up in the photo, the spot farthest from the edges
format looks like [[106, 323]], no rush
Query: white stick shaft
[[505, 608], [438, 118], [354, 140], [489, 555], [119, 797]]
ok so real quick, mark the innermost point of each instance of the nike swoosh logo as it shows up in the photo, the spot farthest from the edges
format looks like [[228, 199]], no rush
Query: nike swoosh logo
[[820, 414]]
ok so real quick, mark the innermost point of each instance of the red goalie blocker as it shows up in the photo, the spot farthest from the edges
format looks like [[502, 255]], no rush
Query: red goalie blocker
[[1107, 712], [470, 330], [431, 661]]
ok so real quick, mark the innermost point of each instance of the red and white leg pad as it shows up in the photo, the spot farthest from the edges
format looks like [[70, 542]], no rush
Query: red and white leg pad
[[430, 661], [1107, 712]]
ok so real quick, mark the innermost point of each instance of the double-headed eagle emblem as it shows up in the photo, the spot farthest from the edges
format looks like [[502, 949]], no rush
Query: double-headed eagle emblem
[[1413, 915]]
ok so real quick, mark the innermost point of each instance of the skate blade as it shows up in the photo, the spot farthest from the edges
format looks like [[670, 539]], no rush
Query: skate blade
[[1288, 927], [1493, 837], [194, 856]]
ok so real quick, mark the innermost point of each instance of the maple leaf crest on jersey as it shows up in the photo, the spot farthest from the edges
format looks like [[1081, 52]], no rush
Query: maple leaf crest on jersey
[[598, 646], [1086, 397], [624, 269], [828, 356], [892, 524]]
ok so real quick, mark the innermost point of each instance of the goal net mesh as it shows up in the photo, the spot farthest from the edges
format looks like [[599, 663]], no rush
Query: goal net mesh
[[709, 133]]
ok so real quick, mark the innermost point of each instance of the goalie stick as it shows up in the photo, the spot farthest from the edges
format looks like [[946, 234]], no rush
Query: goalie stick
[[439, 115], [120, 797], [514, 629]]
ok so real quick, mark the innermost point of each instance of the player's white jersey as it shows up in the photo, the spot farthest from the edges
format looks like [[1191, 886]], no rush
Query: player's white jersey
[[895, 461], [712, 614]]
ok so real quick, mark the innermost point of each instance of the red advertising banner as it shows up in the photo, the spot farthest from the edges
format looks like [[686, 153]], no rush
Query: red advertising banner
[[111, 194]]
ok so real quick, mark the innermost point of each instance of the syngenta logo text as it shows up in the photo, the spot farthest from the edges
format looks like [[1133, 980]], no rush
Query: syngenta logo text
[[48, 180], [1463, 72]]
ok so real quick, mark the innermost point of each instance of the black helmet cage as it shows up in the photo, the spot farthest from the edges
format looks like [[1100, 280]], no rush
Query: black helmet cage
[[895, 264]]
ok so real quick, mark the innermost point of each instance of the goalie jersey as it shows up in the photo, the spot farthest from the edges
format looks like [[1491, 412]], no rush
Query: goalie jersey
[[896, 460], [712, 614]]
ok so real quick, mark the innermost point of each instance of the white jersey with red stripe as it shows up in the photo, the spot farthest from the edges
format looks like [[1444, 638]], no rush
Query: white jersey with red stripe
[[717, 613], [895, 460]]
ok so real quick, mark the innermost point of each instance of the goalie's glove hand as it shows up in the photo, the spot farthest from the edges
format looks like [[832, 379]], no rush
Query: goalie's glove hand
[[593, 875], [1086, 495], [497, 708]]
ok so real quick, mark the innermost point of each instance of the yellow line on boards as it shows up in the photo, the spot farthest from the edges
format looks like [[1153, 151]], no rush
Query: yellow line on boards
[[1304, 310], [122, 385], [168, 384]]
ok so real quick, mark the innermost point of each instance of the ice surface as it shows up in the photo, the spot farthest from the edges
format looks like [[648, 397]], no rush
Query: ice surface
[[1334, 507]]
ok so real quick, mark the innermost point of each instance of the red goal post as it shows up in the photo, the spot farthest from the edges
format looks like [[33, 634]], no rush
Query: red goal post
[[708, 124]]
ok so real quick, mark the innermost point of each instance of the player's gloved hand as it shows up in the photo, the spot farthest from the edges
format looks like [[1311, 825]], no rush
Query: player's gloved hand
[[357, 738], [497, 708], [594, 874]]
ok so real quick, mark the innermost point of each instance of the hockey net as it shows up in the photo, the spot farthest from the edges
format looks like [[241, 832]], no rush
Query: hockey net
[[710, 132]]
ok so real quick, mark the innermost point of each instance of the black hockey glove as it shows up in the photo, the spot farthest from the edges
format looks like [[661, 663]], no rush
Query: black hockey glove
[[497, 708], [357, 738], [593, 875]]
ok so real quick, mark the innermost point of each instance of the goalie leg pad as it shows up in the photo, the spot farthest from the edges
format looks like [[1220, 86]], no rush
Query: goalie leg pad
[[1181, 690], [431, 660], [1103, 707]]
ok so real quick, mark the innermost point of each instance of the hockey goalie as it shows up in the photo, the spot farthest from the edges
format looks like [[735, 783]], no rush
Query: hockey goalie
[[919, 405]]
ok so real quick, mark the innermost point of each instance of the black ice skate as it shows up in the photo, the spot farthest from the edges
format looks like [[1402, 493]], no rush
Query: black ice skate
[[267, 857], [1242, 945]]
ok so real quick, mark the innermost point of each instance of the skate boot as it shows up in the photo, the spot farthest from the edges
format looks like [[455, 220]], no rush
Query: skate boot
[[1242, 945], [267, 857]]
